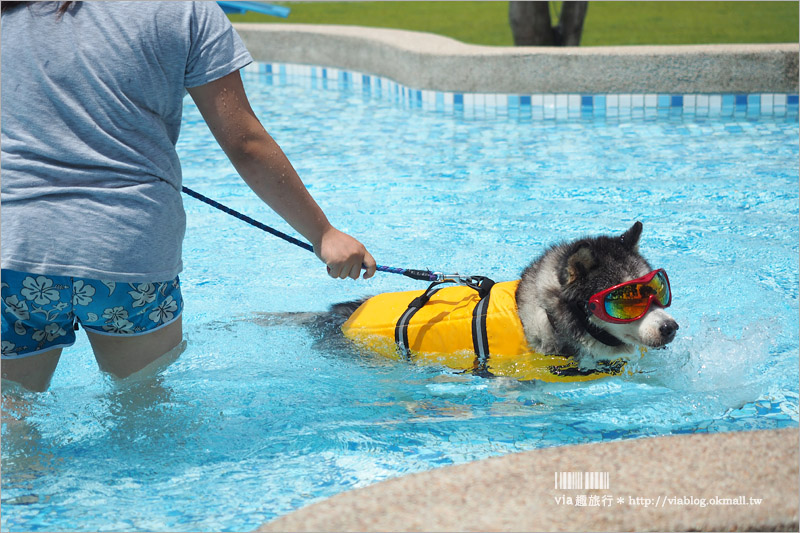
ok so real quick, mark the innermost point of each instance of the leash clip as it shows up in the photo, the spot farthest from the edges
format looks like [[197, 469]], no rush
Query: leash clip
[[457, 278], [449, 278], [482, 284]]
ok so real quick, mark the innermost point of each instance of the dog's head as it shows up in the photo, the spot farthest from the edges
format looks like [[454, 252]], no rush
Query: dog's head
[[595, 264]]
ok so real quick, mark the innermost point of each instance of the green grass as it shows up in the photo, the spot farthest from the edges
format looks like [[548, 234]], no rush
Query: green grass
[[607, 23], [614, 23]]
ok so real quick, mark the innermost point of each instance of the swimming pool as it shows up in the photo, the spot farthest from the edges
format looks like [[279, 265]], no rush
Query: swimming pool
[[253, 421]]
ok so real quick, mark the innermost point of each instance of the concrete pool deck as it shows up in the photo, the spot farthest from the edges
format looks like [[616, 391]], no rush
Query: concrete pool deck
[[516, 492], [427, 61], [655, 484]]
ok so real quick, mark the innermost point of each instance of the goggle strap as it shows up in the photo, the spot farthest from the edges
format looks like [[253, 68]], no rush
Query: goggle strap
[[581, 312]]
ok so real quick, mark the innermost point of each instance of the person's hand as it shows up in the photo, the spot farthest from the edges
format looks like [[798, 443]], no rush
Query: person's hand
[[344, 255]]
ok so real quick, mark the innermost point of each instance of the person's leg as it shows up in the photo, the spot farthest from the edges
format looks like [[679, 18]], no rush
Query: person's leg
[[33, 372], [36, 324], [123, 356], [133, 327]]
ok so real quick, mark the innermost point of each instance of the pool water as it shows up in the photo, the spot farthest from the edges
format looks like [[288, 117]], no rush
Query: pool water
[[254, 420]]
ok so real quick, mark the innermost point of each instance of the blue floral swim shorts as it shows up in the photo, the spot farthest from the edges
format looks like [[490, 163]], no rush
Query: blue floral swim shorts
[[40, 313]]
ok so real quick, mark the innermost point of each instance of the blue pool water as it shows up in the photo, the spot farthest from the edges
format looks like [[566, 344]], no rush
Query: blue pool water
[[253, 421]]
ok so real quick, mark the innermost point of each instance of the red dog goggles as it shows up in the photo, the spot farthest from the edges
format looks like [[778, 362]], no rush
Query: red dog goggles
[[630, 301]]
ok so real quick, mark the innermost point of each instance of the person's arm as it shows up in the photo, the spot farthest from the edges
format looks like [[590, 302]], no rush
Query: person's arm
[[264, 167]]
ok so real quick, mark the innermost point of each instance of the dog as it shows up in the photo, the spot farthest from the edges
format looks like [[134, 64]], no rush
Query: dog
[[555, 323]]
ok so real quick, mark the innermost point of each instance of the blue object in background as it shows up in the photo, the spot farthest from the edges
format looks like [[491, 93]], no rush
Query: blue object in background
[[258, 7]]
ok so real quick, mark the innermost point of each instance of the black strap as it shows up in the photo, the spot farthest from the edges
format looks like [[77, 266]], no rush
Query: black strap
[[401, 328], [605, 366], [482, 284], [582, 314], [480, 338]]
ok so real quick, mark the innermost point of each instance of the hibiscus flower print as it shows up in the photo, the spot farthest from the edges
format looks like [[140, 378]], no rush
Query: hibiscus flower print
[[165, 311], [113, 314], [40, 290], [119, 326], [143, 293], [9, 348], [82, 293], [50, 332], [17, 308]]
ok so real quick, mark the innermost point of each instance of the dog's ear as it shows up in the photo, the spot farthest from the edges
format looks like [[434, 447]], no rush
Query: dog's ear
[[630, 239], [578, 264]]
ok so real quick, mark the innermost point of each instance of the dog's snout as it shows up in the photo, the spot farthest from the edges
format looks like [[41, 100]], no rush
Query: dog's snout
[[668, 330]]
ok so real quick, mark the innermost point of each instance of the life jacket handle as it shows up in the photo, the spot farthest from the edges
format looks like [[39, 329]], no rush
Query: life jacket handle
[[482, 284]]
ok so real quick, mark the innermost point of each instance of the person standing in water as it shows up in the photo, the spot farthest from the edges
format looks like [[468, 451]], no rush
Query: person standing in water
[[92, 215]]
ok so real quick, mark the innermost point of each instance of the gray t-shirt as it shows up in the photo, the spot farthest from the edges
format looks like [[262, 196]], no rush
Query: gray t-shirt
[[91, 111]]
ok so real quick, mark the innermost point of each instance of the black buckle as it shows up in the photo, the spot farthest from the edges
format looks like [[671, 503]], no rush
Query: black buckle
[[482, 284]]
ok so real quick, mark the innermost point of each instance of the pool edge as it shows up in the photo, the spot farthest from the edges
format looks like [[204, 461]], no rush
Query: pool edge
[[432, 62], [516, 492]]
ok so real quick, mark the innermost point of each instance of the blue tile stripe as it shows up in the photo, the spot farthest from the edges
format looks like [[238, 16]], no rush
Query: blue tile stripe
[[534, 105]]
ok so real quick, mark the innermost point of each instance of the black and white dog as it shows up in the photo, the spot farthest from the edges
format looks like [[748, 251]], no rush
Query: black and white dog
[[553, 299]]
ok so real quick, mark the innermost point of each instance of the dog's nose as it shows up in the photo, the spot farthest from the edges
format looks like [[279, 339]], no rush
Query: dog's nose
[[667, 330]]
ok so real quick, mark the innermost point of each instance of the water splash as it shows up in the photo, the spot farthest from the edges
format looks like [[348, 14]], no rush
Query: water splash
[[730, 370]]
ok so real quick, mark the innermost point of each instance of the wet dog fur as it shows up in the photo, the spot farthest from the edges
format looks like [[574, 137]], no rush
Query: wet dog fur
[[554, 289]]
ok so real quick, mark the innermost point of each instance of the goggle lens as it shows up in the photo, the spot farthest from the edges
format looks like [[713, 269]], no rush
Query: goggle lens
[[630, 302]]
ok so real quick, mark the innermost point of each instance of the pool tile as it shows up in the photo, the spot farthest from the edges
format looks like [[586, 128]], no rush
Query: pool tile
[[766, 104], [539, 106], [600, 104], [715, 103]]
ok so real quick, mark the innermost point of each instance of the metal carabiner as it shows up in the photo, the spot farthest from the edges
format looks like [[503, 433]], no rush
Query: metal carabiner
[[482, 284], [459, 279], [449, 278]]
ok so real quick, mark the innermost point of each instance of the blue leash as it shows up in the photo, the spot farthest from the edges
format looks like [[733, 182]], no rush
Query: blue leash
[[422, 275]]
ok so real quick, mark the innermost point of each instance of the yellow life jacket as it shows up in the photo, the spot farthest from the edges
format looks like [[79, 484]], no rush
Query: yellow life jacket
[[459, 329]]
